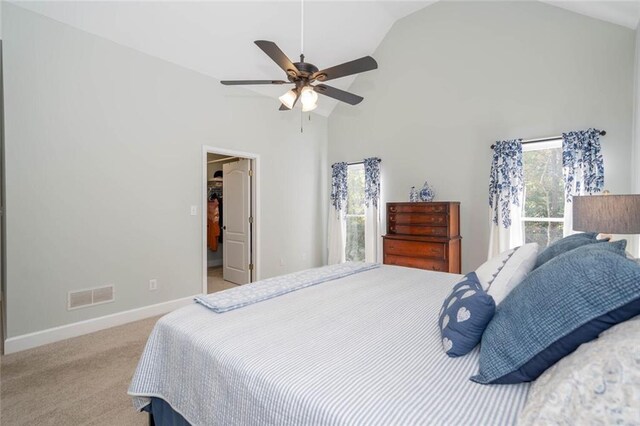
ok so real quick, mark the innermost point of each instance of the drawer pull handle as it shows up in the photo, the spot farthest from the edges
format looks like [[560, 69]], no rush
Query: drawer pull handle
[[392, 217], [392, 228], [392, 209]]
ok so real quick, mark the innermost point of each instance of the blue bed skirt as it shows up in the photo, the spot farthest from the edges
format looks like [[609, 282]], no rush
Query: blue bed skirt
[[163, 414]]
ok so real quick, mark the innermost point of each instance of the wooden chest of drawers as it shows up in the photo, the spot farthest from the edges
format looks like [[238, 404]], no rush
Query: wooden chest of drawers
[[423, 235]]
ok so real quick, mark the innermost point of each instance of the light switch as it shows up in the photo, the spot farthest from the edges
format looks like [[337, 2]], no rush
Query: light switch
[[194, 210]]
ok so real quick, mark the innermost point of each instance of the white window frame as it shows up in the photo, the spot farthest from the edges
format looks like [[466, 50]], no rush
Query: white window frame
[[538, 146]]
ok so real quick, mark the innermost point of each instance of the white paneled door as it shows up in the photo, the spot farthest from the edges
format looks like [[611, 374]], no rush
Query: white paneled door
[[236, 229]]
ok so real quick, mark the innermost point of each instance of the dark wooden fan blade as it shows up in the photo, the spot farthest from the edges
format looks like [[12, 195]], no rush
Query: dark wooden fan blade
[[274, 52], [239, 82], [348, 68], [338, 94], [295, 101]]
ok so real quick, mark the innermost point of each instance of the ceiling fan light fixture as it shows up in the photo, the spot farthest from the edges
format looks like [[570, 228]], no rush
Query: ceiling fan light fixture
[[288, 99], [307, 108], [302, 74], [308, 97]]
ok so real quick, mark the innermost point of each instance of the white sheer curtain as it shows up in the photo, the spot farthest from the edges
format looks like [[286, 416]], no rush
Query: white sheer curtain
[[337, 227], [582, 168], [506, 188], [372, 237], [501, 238], [337, 236]]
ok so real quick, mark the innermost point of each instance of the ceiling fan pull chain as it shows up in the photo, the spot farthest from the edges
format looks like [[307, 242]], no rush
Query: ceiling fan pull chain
[[301, 123]]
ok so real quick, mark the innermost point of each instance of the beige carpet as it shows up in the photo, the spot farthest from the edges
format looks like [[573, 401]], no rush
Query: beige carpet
[[80, 381], [215, 280]]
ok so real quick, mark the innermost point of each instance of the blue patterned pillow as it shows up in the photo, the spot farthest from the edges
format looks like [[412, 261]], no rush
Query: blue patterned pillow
[[568, 301], [566, 244], [464, 315]]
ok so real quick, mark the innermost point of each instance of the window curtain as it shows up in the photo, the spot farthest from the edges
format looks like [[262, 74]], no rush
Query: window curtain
[[506, 187], [337, 226], [372, 237], [582, 168]]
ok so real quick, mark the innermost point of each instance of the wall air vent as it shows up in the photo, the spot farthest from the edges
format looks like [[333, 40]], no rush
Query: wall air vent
[[89, 297]]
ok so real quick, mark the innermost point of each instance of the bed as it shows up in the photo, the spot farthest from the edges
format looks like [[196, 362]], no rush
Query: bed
[[362, 349]]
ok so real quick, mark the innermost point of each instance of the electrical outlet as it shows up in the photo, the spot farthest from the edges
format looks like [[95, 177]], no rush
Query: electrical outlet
[[153, 284], [194, 210]]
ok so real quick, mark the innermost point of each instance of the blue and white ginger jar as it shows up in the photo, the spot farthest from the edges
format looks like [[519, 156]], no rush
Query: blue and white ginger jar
[[427, 193]]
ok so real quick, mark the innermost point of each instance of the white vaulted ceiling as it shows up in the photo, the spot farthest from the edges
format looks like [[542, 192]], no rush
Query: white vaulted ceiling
[[216, 38], [625, 13]]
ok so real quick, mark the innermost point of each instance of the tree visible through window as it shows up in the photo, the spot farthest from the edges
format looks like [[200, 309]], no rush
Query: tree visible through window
[[355, 213], [543, 209]]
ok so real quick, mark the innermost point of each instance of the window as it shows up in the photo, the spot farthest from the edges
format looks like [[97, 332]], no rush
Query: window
[[355, 213], [543, 206]]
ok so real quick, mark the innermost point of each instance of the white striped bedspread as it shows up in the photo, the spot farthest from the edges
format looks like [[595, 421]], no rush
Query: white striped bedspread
[[363, 349]]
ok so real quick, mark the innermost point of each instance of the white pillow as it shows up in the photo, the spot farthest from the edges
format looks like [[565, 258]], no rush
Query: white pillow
[[489, 269], [504, 272], [599, 383]]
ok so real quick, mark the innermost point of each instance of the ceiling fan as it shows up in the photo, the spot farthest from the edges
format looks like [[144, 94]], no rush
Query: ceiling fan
[[302, 74]]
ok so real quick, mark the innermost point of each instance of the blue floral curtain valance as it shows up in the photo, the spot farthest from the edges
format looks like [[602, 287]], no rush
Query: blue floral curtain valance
[[339, 186], [371, 181], [582, 163], [506, 180]]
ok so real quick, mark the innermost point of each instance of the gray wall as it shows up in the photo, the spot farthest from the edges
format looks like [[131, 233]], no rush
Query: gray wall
[[635, 157], [104, 158], [454, 77]]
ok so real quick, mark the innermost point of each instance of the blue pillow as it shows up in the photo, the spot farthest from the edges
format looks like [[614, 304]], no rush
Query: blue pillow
[[464, 315], [566, 244], [568, 301]]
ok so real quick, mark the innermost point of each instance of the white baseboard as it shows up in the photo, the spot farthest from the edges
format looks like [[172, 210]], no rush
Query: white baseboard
[[39, 338]]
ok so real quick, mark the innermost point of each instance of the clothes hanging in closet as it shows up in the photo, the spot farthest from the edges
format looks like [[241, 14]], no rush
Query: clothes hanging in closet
[[213, 223]]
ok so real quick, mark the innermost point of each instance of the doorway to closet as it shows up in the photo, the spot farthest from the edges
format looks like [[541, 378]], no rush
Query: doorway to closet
[[230, 223]]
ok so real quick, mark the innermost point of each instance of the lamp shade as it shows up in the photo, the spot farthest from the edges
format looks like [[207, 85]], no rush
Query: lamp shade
[[609, 214], [288, 98], [308, 97], [307, 108]]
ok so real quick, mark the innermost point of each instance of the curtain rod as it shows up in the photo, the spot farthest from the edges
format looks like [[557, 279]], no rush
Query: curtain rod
[[357, 162], [550, 138]]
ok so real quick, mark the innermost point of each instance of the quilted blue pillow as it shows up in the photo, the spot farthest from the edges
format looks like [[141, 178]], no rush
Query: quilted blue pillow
[[464, 315], [568, 301], [566, 244]]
